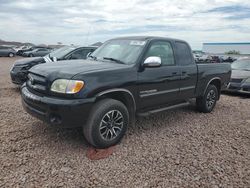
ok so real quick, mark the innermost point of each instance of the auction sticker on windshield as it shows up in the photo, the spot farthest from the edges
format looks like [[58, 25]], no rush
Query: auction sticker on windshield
[[137, 43]]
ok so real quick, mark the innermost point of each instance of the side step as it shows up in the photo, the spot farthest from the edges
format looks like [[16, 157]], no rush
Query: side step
[[143, 114]]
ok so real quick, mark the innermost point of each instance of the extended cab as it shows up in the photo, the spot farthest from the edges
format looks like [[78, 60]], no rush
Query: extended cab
[[124, 77]]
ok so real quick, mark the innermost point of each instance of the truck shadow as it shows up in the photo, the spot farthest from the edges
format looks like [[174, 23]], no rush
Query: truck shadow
[[61, 139]]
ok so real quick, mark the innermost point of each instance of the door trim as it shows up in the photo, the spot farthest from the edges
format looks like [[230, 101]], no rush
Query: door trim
[[158, 92]]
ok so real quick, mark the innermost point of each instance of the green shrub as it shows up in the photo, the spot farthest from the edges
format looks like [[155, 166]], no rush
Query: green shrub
[[234, 52]]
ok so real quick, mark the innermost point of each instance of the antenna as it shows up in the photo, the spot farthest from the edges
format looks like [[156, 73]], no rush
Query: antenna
[[87, 37]]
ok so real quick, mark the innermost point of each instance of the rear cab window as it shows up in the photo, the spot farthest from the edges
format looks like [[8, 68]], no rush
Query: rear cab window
[[183, 53]]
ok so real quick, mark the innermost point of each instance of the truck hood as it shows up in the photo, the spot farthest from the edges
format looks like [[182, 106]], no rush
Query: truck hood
[[68, 69], [242, 74], [27, 61]]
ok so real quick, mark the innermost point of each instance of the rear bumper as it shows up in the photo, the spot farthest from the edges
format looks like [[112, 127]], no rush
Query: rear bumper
[[239, 87], [66, 113]]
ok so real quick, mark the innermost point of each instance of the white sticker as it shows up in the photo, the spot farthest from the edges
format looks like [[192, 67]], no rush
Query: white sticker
[[137, 43]]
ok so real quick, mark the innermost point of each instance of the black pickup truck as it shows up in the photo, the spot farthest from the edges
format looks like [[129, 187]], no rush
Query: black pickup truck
[[123, 78]]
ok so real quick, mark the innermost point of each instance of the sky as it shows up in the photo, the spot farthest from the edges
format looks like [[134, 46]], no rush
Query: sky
[[83, 22]]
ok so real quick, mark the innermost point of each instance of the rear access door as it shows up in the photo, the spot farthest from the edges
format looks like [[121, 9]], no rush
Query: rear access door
[[188, 70]]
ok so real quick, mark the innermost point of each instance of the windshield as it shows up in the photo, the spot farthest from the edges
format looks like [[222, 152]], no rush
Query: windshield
[[241, 64], [61, 52], [120, 51]]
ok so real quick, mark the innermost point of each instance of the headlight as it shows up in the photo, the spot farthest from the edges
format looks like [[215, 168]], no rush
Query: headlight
[[247, 80], [67, 86]]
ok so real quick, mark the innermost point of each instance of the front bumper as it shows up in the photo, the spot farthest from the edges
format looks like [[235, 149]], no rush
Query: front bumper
[[18, 76], [239, 87], [64, 112], [25, 54]]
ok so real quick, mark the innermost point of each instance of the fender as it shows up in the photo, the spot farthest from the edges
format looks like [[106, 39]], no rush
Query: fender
[[216, 78], [117, 90]]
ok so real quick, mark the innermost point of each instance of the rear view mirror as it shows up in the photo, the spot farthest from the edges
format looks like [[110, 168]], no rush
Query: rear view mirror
[[152, 61]]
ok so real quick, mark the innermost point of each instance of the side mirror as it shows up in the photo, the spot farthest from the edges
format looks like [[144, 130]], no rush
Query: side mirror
[[88, 54], [152, 61], [54, 59]]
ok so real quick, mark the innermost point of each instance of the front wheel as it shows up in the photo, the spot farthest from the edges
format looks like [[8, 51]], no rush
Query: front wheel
[[107, 123], [207, 102], [31, 55]]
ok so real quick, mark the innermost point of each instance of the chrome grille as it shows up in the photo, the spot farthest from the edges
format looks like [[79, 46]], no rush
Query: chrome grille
[[236, 80], [36, 82]]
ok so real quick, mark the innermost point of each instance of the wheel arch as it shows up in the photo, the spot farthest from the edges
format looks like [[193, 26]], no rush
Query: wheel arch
[[122, 95], [217, 83]]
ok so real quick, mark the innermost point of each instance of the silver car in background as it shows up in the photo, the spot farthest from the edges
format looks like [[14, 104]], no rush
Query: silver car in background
[[38, 52], [240, 78], [7, 51]]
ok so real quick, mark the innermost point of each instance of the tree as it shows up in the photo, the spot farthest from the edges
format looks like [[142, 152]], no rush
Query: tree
[[233, 52]]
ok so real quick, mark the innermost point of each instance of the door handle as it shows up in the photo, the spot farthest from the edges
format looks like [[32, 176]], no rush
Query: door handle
[[174, 73], [184, 72]]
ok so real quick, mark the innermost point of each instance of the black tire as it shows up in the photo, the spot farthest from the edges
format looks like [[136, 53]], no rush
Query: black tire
[[207, 102], [11, 54], [95, 127], [31, 55]]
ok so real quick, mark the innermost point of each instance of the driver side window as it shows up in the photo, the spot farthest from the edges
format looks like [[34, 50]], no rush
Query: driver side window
[[80, 54], [162, 49]]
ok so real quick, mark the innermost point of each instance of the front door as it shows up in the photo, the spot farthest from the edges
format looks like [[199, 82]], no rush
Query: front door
[[159, 85]]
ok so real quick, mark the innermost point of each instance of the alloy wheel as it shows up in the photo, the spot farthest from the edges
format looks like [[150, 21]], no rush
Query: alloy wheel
[[111, 125], [211, 98]]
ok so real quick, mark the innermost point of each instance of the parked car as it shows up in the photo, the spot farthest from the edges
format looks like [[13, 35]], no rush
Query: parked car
[[25, 49], [228, 59], [240, 79], [38, 52], [21, 49], [124, 77], [204, 59], [7, 51], [21, 67], [215, 59]]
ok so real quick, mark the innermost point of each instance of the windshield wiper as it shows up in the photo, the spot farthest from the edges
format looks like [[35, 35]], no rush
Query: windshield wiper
[[115, 60]]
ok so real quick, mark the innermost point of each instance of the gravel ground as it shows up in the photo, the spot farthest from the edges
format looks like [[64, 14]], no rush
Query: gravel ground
[[181, 148]]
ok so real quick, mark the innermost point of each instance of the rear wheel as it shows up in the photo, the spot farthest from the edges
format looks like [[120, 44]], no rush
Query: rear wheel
[[107, 123], [11, 54], [207, 102], [31, 55]]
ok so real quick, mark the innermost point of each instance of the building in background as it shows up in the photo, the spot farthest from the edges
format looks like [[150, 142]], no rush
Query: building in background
[[222, 48]]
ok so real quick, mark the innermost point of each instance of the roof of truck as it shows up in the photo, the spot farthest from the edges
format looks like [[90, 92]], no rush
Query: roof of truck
[[147, 38]]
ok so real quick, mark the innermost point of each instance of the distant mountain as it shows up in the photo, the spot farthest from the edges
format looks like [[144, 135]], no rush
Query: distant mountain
[[97, 44], [2, 42], [56, 45]]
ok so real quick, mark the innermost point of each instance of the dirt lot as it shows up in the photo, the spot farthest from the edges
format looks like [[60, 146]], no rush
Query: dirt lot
[[181, 148]]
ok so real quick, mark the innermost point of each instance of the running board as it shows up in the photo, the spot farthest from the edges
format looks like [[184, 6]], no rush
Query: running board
[[143, 114]]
